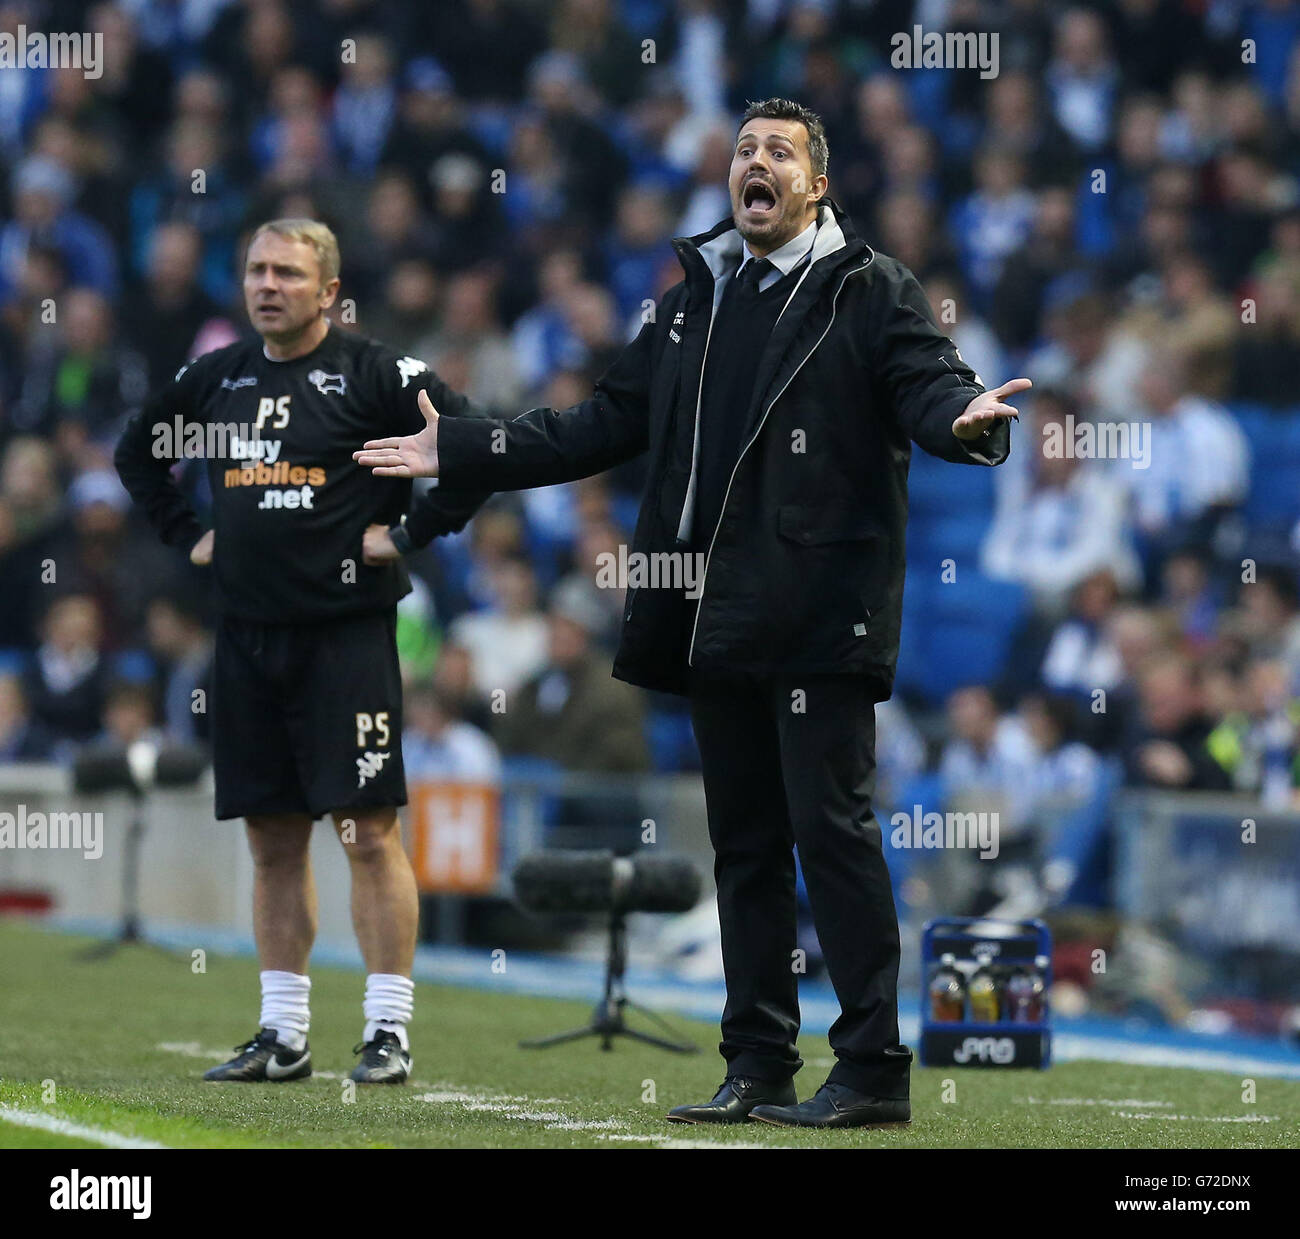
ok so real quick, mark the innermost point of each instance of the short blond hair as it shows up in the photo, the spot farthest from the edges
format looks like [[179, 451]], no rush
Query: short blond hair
[[312, 232]]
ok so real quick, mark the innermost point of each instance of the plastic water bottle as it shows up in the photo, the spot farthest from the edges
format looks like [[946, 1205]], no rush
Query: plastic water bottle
[[985, 998], [947, 992], [1025, 994]]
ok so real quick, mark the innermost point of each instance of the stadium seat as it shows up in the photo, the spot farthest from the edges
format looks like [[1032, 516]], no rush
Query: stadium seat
[[961, 631], [938, 488], [957, 537], [1273, 436], [671, 741]]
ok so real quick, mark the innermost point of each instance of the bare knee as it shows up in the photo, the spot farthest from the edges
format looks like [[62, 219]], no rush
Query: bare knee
[[369, 838], [279, 841]]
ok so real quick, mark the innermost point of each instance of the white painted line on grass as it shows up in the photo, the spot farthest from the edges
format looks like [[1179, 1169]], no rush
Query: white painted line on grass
[[672, 1143], [1130, 1108], [1200, 1118], [79, 1131], [512, 1106], [1131, 1102]]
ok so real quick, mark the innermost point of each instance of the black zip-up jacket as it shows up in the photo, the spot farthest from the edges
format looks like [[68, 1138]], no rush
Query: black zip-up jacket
[[804, 572]]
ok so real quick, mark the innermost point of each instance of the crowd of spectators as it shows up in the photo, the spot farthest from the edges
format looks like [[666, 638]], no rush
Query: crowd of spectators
[[1114, 214]]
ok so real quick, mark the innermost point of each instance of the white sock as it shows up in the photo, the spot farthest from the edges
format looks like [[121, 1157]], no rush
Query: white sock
[[389, 1002], [286, 1007]]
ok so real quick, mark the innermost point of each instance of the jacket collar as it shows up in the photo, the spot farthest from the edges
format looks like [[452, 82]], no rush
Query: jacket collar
[[706, 257], [722, 248]]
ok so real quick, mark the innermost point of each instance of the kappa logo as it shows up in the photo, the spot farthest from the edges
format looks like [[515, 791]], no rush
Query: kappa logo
[[248, 380], [327, 382], [409, 367], [370, 764]]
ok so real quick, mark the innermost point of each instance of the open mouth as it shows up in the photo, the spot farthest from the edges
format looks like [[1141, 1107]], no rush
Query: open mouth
[[758, 198]]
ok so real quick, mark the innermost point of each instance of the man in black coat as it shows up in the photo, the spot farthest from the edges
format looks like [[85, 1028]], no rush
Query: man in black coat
[[777, 389]]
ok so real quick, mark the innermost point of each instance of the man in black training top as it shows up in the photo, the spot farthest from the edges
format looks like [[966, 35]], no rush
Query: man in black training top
[[305, 548], [777, 389]]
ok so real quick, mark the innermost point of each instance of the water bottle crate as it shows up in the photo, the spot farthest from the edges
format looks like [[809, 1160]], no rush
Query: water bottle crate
[[1011, 962], [986, 1045]]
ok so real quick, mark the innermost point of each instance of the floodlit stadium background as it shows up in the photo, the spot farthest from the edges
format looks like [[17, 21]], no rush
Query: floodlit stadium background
[[1103, 647]]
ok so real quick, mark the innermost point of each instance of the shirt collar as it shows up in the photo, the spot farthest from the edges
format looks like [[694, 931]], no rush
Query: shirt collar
[[790, 255]]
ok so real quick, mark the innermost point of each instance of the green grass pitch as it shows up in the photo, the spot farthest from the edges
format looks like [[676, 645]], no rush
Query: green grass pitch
[[124, 1042]]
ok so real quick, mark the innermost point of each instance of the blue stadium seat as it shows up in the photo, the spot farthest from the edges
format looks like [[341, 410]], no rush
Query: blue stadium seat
[[625, 509], [948, 537], [135, 666], [1274, 500], [956, 633], [541, 771], [671, 741], [939, 488], [917, 588], [926, 790], [1273, 505]]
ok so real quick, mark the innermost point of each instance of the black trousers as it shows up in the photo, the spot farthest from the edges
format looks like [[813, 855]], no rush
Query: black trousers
[[791, 761]]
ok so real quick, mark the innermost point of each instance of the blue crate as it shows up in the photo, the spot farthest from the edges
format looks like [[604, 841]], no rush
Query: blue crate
[[968, 1043]]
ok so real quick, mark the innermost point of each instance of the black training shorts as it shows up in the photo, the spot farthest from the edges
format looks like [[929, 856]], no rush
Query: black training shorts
[[307, 718]]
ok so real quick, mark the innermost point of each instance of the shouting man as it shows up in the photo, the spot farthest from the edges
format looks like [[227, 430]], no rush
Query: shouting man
[[777, 388]]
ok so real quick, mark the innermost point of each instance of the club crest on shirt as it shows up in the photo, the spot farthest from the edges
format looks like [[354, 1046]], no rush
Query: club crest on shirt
[[327, 382]]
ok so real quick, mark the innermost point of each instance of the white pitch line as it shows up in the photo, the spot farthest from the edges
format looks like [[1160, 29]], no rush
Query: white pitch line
[[1131, 1102], [673, 1143], [1130, 1108], [1200, 1118], [511, 1106], [676, 1142], [79, 1131], [191, 1049]]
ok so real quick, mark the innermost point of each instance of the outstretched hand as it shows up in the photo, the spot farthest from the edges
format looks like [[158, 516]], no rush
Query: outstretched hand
[[409, 456], [984, 411]]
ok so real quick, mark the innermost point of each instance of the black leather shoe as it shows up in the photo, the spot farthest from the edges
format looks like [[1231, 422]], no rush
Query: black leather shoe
[[837, 1105], [735, 1099]]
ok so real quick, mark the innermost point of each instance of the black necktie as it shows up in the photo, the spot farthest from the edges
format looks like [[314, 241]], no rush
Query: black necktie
[[751, 273]]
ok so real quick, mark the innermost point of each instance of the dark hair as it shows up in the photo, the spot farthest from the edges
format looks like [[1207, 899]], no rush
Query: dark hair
[[788, 109]]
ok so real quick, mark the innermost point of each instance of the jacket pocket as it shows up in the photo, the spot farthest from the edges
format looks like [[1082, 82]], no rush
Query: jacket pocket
[[813, 527]]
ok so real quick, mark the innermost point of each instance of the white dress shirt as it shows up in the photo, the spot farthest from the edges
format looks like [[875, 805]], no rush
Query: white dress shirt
[[786, 259]]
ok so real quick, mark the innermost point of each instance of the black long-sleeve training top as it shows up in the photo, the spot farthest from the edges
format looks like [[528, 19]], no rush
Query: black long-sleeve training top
[[289, 504]]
